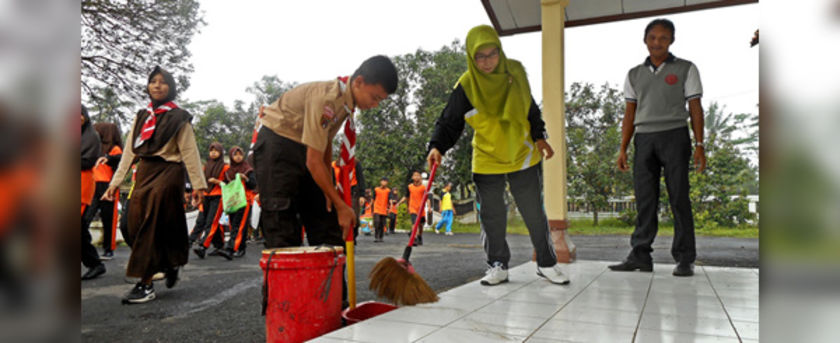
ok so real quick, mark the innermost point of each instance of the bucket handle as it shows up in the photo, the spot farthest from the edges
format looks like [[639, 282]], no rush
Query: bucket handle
[[265, 284], [327, 284]]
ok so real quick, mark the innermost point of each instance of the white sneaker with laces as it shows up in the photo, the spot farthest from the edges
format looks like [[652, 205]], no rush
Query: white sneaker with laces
[[495, 275], [553, 274]]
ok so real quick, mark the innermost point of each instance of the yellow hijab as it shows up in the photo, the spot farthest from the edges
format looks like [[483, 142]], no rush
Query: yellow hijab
[[504, 92]]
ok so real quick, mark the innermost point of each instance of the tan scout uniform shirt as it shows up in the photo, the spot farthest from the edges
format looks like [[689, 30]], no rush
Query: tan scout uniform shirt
[[311, 113], [180, 149]]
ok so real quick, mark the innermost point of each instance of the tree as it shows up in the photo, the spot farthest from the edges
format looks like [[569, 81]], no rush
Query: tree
[[268, 90], [438, 81], [718, 195], [392, 138], [111, 108], [121, 41], [593, 120], [214, 122], [726, 127]]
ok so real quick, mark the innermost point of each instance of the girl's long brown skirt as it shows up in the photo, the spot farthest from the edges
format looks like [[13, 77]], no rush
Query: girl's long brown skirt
[[156, 219]]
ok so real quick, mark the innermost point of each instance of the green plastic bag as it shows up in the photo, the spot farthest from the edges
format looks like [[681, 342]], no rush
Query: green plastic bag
[[233, 196]]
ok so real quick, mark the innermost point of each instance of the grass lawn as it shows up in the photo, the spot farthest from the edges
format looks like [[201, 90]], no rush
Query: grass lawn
[[610, 226]]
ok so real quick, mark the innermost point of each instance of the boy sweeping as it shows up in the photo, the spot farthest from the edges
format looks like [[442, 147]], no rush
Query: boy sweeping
[[292, 155]]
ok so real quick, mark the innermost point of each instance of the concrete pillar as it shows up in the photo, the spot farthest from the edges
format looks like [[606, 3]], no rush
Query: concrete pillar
[[554, 114]]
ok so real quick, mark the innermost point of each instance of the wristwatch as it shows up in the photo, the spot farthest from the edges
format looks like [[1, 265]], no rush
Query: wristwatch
[[699, 145]]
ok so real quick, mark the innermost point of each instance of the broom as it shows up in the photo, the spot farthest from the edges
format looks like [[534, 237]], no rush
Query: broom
[[396, 280]]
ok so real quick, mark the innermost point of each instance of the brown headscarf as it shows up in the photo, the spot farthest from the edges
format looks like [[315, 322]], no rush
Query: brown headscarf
[[241, 167], [109, 134], [168, 124], [214, 167]]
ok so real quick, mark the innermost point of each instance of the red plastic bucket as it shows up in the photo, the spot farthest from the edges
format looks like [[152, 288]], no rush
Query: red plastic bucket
[[365, 310], [302, 292]]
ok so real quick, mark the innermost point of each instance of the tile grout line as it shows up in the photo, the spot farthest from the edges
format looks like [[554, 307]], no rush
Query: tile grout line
[[440, 327], [722, 305], [644, 305], [564, 305]]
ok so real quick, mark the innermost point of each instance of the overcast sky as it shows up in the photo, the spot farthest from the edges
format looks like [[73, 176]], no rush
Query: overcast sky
[[318, 40]]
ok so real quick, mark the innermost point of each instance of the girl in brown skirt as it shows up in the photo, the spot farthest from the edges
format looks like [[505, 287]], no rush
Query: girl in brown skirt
[[163, 142]]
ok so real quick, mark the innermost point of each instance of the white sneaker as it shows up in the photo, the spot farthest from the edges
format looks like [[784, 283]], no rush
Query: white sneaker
[[449, 233], [495, 275], [553, 274], [437, 232]]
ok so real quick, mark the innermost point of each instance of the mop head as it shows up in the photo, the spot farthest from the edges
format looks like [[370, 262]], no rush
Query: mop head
[[396, 281]]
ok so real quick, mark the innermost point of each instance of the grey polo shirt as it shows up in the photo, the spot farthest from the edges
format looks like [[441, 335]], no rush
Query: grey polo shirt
[[661, 93]]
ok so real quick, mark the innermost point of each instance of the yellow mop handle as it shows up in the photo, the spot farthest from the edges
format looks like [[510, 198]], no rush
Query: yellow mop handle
[[351, 274], [351, 260]]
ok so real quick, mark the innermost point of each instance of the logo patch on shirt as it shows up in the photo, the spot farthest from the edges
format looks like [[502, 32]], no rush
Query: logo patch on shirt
[[327, 117], [671, 79], [328, 112]]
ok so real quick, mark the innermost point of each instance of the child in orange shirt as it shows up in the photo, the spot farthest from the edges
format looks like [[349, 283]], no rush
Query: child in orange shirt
[[90, 148], [393, 208], [238, 220], [111, 150], [380, 209], [416, 189], [214, 172]]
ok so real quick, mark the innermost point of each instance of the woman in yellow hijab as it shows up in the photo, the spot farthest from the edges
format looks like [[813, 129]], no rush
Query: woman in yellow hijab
[[509, 143]]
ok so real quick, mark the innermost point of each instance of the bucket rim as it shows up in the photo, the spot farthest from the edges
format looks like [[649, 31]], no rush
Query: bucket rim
[[305, 250]]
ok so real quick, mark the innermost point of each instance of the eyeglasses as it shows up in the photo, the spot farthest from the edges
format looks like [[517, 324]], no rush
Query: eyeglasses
[[480, 57]]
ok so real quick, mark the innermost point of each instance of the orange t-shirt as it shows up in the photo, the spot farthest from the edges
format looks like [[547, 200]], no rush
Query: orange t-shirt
[[415, 197], [393, 207], [104, 172], [216, 190], [88, 186], [367, 211], [337, 172], [380, 203]]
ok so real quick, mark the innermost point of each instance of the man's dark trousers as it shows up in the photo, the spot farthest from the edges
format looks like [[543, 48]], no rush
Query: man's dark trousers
[[669, 150]]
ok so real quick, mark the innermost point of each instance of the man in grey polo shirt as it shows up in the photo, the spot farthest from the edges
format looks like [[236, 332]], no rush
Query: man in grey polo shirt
[[656, 93]]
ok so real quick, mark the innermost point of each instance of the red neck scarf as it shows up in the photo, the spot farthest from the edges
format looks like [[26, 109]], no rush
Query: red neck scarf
[[148, 128], [348, 154]]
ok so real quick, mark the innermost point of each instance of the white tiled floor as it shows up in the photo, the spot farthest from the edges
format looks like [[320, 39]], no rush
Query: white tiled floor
[[716, 305]]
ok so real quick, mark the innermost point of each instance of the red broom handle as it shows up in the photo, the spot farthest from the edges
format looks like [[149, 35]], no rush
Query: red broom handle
[[422, 205]]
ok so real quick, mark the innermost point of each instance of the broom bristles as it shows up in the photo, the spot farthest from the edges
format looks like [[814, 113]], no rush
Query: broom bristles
[[391, 280]]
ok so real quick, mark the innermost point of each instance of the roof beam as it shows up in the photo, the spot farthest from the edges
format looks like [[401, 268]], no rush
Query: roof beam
[[611, 18]]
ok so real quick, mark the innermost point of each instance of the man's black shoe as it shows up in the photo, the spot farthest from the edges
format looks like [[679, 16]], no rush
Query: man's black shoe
[[684, 269], [224, 253], [239, 253], [629, 266], [200, 251], [94, 272], [171, 277]]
